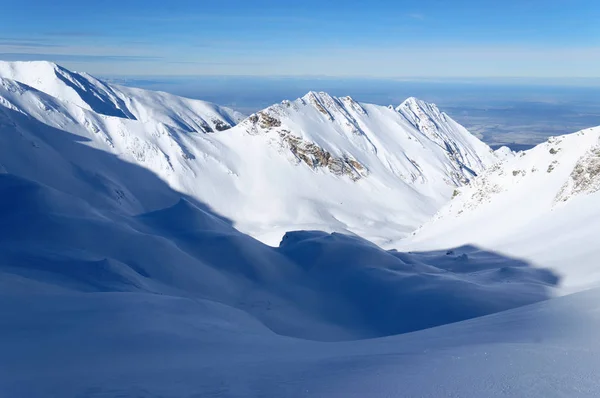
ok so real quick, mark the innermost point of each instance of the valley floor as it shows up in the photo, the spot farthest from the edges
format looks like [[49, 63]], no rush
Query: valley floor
[[140, 345]]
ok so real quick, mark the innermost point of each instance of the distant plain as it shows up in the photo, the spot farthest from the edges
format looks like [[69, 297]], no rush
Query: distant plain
[[519, 113]]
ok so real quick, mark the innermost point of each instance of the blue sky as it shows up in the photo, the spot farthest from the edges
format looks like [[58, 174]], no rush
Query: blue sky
[[402, 39]]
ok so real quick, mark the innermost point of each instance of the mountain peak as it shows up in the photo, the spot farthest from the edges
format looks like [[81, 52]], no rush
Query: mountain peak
[[28, 72], [27, 64], [326, 97], [81, 90], [317, 96], [422, 114], [411, 100], [89, 93], [414, 103]]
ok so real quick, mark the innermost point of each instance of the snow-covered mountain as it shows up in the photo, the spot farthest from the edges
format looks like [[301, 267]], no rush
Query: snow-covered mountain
[[540, 205], [318, 162], [92, 94], [360, 168], [94, 203], [118, 278]]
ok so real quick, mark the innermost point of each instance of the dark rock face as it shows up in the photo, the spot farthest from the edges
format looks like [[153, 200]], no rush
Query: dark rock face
[[264, 120], [220, 125]]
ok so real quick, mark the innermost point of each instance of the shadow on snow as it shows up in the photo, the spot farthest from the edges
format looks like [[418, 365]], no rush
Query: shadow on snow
[[70, 222]]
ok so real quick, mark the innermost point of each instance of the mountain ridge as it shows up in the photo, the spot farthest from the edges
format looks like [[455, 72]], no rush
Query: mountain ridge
[[119, 256], [308, 163], [95, 95]]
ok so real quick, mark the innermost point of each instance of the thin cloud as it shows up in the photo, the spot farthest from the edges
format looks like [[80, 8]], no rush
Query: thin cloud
[[417, 16], [74, 33], [22, 42], [221, 17], [214, 63], [76, 57]]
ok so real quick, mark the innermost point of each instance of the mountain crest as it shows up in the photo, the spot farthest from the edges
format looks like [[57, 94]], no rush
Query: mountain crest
[[319, 126], [312, 161], [94, 95], [80, 89]]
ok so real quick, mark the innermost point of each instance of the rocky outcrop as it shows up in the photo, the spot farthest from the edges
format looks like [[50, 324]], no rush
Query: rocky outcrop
[[585, 177], [220, 125], [552, 166], [264, 120], [316, 157], [309, 153]]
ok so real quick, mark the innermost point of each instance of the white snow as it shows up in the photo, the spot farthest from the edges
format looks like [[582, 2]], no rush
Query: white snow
[[390, 170], [177, 303], [89, 93], [122, 272], [540, 205], [128, 344]]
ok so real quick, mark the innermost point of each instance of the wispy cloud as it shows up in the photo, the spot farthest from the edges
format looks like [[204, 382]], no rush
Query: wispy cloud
[[223, 17], [74, 33], [76, 57], [26, 42], [386, 61], [232, 63], [416, 15]]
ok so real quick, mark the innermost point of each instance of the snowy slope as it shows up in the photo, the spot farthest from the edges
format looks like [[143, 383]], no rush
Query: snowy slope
[[100, 211], [89, 93], [315, 285], [131, 344], [175, 302], [402, 170], [118, 279], [315, 163], [541, 205]]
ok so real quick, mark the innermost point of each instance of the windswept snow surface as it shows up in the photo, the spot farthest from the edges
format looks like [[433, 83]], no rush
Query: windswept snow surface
[[318, 162], [540, 205], [130, 344]]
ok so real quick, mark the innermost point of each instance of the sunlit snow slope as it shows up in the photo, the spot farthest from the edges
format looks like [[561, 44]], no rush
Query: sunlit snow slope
[[541, 205], [318, 162]]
